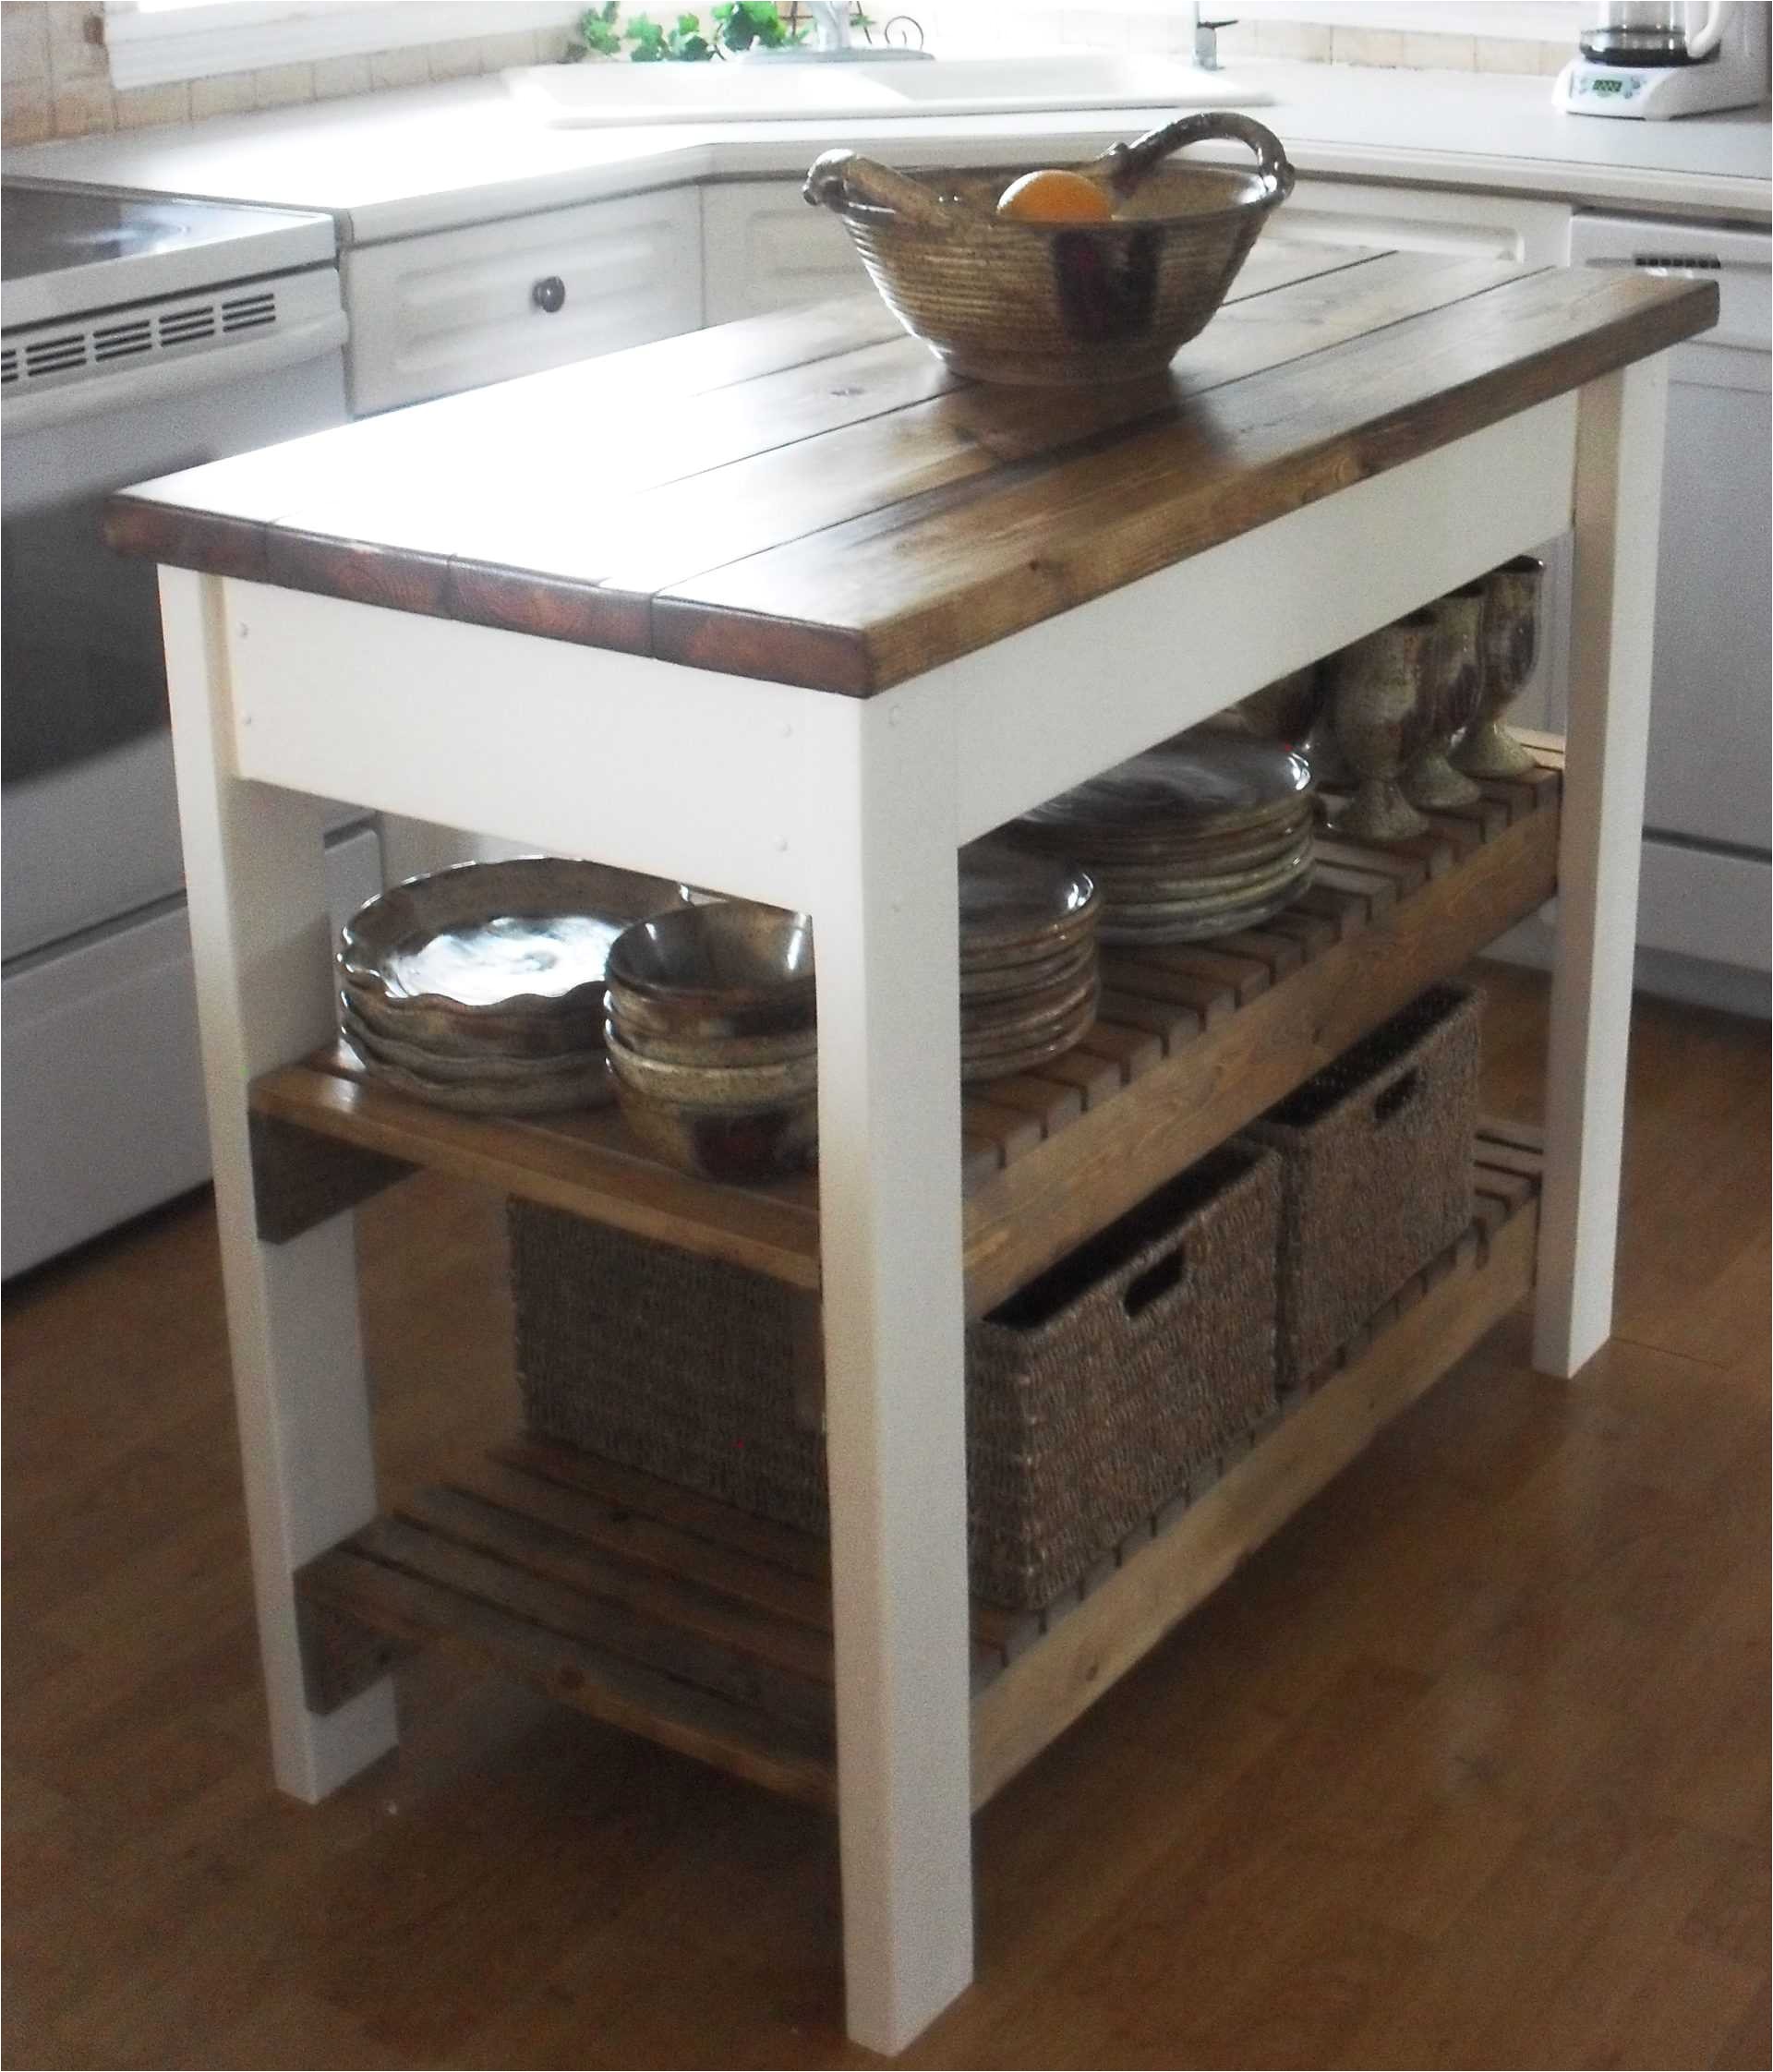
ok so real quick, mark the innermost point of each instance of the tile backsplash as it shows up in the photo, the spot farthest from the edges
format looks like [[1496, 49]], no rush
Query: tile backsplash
[[55, 82]]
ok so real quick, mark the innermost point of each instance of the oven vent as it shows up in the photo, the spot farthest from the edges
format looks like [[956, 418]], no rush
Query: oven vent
[[54, 356], [88, 349], [9, 364], [246, 312], [182, 327], [116, 342]]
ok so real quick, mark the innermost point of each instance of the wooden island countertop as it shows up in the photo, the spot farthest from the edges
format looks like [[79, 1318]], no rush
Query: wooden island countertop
[[815, 499]]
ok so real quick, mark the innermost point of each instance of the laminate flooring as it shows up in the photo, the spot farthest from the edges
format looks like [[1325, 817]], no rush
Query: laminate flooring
[[1469, 1767]]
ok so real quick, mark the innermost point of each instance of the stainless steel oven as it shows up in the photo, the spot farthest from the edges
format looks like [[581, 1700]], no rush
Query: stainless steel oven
[[139, 336]]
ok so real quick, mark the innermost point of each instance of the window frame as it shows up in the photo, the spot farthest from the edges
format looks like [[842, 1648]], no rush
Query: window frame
[[158, 46]]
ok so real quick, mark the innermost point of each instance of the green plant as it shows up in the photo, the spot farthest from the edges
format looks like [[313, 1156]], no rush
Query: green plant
[[598, 36], [687, 42], [742, 25], [739, 25]]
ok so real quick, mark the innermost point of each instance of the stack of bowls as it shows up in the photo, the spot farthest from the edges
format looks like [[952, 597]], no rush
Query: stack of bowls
[[713, 1039], [480, 988], [1028, 978], [1201, 837]]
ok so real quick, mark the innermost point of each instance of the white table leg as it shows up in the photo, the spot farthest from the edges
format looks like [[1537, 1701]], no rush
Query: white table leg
[[889, 1158], [262, 946], [1618, 479]]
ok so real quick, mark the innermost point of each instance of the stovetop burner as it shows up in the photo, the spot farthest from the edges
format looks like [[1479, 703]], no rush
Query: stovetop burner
[[65, 247]]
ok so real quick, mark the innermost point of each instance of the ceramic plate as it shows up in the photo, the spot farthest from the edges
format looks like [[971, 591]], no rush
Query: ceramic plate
[[1009, 897], [1034, 1050], [1216, 781], [1133, 931], [992, 982], [492, 1070], [530, 1097], [523, 939]]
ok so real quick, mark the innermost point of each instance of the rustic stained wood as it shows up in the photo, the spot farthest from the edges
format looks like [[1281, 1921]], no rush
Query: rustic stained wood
[[299, 1180], [825, 505], [1190, 1044], [701, 1627]]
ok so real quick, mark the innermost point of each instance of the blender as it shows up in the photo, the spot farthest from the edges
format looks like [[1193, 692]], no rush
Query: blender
[[1652, 59]]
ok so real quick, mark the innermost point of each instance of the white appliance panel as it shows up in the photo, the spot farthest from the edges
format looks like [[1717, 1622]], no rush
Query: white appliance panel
[[105, 1114]]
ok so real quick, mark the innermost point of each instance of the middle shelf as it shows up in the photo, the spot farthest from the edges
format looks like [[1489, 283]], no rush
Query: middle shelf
[[1190, 1044]]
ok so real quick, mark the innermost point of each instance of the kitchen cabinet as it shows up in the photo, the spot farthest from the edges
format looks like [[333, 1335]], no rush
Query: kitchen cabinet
[[763, 249], [462, 307], [1410, 218], [862, 678]]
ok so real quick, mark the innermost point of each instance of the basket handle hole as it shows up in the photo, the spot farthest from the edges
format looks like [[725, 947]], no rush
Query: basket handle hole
[[1397, 1096], [1155, 1282]]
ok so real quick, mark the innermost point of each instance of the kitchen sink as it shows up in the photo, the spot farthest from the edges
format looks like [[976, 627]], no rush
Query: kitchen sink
[[760, 91]]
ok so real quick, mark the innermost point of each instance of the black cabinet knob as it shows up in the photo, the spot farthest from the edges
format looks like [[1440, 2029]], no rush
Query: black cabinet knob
[[549, 295]]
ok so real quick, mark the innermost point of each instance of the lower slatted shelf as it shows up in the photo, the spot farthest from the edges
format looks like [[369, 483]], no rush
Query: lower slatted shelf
[[708, 1629]]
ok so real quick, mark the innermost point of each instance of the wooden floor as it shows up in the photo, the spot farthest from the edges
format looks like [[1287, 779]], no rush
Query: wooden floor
[[1468, 1767]]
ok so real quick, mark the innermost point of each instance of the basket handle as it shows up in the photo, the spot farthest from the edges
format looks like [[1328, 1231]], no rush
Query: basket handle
[[1153, 1282], [842, 181], [1127, 164], [1398, 1096]]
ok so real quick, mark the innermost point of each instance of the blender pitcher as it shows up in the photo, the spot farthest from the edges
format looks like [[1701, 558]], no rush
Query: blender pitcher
[[1653, 32]]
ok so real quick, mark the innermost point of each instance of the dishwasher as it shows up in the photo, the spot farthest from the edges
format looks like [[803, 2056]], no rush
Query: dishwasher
[[1705, 915], [137, 335]]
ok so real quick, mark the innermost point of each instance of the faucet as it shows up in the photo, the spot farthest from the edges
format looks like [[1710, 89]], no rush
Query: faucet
[[1204, 37], [830, 24]]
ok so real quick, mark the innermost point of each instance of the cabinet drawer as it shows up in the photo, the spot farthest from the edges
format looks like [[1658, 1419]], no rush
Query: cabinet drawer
[[763, 249], [432, 315]]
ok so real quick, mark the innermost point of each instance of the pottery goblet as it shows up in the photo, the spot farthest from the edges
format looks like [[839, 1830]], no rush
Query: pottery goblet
[[1376, 710], [1511, 646], [1285, 710], [1451, 690]]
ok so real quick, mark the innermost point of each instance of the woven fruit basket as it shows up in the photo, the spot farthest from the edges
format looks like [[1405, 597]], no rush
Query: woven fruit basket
[[1054, 302]]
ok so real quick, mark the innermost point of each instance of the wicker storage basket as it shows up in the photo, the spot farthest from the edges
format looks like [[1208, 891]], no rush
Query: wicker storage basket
[[1091, 1395], [1377, 1153]]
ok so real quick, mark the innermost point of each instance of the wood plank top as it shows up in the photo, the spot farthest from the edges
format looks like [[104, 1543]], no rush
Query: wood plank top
[[813, 498]]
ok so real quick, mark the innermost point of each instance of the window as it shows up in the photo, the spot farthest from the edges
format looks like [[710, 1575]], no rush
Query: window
[[152, 41]]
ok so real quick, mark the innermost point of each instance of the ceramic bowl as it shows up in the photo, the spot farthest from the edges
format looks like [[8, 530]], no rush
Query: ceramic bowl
[[734, 1145], [728, 969], [776, 1048], [713, 1086]]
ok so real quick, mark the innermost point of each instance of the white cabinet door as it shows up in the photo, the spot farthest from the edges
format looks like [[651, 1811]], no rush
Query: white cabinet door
[[461, 307], [763, 249], [1500, 227]]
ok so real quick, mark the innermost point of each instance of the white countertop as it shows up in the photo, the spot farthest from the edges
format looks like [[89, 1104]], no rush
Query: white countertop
[[434, 158]]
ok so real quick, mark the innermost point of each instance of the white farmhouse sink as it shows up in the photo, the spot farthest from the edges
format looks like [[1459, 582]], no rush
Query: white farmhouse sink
[[759, 90]]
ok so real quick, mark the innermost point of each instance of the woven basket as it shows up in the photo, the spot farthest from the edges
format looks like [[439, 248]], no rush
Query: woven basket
[[1377, 1153], [1091, 1396]]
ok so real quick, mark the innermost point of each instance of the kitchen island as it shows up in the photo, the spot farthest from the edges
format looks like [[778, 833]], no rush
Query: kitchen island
[[796, 638]]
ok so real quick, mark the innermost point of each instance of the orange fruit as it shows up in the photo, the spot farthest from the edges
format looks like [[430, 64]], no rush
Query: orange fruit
[[1054, 196]]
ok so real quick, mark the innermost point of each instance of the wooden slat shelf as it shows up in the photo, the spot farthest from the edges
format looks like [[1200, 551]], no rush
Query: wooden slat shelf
[[701, 1627], [1192, 1042]]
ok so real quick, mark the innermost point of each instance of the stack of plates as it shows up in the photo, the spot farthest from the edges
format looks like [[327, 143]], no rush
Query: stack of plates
[[1028, 958], [1201, 837], [481, 988]]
